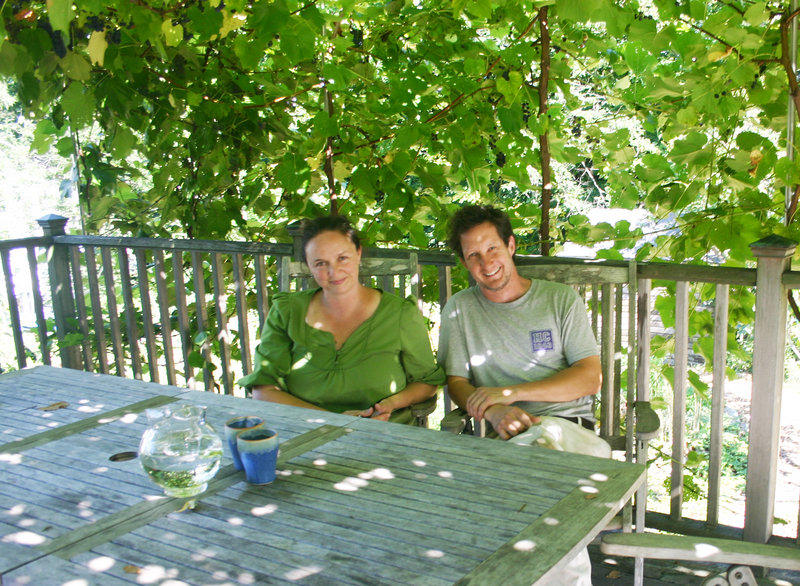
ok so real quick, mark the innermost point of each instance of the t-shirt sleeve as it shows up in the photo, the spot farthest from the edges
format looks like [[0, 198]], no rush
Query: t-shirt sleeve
[[453, 355], [273, 355], [579, 340], [415, 347]]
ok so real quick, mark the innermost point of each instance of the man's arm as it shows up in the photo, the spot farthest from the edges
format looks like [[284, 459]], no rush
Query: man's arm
[[578, 380]]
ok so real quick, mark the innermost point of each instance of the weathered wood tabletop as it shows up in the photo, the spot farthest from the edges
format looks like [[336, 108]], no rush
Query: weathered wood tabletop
[[356, 501]]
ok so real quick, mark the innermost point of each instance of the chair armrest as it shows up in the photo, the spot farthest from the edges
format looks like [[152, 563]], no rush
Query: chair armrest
[[424, 408], [455, 421], [648, 423]]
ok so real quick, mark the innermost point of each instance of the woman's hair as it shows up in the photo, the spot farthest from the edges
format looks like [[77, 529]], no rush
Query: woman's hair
[[314, 227], [470, 216]]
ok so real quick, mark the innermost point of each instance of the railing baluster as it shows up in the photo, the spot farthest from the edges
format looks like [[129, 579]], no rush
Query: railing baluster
[[184, 329], [162, 299], [202, 315], [97, 310], [607, 359], [13, 309], [113, 314], [38, 305], [717, 403], [262, 293], [80, 306], [618, 342], [130, 311], [241, 311], [147, 315], [681, 373], [223, 333]]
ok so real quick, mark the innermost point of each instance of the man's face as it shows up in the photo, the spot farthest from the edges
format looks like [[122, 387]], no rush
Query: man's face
[[487, 258]]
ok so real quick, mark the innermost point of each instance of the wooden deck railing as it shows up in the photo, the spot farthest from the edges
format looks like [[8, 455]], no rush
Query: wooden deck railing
[[188, 312]]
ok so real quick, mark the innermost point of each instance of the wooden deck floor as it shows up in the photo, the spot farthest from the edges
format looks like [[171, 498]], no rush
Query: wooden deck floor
[[614, 571]]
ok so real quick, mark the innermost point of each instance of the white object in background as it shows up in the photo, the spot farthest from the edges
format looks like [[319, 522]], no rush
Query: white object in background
[[741, 576]]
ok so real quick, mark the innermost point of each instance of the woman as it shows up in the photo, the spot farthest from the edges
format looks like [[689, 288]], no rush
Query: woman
[[343, 347]]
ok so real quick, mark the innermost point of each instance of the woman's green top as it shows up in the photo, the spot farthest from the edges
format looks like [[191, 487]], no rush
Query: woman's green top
[[381, 357]]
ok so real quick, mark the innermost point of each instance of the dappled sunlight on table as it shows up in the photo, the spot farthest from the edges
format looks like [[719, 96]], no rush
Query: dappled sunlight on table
[[300, 573], [524, 545], [24, 538]]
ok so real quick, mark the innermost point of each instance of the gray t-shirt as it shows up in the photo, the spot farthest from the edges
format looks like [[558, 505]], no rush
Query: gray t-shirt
[[528, 339]]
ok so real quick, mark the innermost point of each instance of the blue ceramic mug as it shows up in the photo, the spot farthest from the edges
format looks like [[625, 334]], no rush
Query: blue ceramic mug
[[258, 449], [235, 426]]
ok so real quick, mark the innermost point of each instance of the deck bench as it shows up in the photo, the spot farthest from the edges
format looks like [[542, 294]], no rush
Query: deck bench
[[700, 549]]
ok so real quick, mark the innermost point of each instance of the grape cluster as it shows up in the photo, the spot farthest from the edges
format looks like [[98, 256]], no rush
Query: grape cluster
[[526, 112], [358, 36], [113, 37], [95, 23]]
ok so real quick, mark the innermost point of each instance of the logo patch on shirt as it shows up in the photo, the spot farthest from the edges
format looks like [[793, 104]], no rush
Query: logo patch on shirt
[[542, 340]]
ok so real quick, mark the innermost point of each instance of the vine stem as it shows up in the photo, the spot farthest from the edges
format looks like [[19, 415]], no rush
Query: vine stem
[[544, 142]]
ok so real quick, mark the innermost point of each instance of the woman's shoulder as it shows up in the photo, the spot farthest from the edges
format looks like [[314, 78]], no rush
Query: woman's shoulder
[[395, 303], [286, 302]]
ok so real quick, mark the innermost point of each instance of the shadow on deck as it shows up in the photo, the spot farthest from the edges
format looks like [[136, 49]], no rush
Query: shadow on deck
[[618, 571]]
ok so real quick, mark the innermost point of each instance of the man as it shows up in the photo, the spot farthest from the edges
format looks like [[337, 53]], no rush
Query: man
[[513, 348]]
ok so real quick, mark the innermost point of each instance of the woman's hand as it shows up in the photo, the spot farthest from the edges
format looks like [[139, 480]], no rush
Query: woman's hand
[[381, 411], [360, 412]]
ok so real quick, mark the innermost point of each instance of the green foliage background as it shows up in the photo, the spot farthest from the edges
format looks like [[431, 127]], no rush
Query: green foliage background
[[228, 119]]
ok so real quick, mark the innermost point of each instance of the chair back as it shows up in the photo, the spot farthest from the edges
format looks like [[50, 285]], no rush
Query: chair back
[[609, 291], [394, 275]]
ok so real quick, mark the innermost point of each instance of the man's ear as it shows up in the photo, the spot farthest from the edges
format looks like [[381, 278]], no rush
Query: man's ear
[[512, 245]]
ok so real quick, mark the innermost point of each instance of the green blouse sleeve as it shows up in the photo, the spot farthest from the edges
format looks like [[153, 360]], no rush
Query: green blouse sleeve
[[272, 357], [415, 347]]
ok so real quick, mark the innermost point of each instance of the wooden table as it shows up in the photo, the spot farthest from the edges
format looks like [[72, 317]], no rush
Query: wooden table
[[356, 501]]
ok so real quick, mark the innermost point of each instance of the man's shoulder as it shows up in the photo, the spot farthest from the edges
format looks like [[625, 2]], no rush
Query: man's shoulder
[[465, 296], [552, 288]]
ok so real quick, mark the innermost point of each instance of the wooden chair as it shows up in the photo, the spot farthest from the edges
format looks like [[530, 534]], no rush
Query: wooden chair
[[394, 275]]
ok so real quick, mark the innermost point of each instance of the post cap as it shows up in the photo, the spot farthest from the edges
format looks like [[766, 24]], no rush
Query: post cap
[[52, 224], [773, 245]]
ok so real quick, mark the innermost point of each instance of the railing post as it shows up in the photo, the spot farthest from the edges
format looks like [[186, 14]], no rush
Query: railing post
[[295, 230], [773, 255], [61, 289]]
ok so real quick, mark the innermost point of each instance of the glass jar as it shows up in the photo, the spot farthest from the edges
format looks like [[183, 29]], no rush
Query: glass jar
[[180, 452]]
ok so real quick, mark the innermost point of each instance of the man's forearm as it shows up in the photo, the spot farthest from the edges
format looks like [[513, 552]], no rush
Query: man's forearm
[[579, 380], [459, 390]]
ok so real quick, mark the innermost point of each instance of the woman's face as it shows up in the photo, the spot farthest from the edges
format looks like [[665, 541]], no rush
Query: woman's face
[[333, 260]]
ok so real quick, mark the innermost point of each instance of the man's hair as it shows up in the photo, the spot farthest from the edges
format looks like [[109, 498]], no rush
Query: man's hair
[[333, 223], [470, 216]]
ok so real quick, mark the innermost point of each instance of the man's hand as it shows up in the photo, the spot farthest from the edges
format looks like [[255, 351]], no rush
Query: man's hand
[[509, 421], [484, 397]]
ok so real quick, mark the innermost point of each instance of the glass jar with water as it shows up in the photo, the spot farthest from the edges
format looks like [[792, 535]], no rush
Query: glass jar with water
[[180, 451]]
